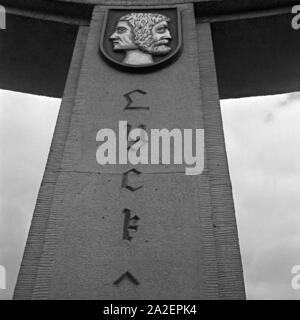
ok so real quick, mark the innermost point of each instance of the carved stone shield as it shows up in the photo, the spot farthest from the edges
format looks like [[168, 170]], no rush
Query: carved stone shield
[[141, 39]]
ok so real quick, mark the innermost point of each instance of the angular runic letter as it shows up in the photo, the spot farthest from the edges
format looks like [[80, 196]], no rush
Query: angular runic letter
[[129, 97], [142, 137], [129, 276], [130, 224], [125, 180]]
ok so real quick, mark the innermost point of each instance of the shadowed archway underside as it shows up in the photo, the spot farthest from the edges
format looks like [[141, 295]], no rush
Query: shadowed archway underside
[[254, 56]]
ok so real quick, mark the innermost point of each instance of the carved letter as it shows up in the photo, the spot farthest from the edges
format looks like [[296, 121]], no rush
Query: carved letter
[[130, 278], [130, 224], [140, 132], [125, 180], [129, 99]]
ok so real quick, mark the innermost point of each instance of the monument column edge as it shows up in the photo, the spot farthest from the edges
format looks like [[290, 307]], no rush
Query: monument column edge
[[229, 263], [35, 240]]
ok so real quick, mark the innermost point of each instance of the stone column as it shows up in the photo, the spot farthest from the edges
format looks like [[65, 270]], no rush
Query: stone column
[[230, 269], [144, 231], [34, 246]]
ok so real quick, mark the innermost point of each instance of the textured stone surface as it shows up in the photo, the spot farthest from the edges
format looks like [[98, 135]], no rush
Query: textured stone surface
[[230, 277], [172, 255], [34, 246], [186, 244], [165, 254]]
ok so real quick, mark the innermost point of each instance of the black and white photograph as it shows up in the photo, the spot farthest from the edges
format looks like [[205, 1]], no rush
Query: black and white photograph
[[149, 153]]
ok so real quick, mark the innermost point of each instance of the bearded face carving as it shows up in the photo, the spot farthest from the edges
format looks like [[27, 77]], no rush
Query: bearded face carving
[[142, 36]]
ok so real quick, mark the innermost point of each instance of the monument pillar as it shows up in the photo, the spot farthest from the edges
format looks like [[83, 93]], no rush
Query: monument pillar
[[141, 231], [38, 229]]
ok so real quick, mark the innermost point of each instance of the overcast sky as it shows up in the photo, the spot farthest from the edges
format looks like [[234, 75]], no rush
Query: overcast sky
[[263, 144]]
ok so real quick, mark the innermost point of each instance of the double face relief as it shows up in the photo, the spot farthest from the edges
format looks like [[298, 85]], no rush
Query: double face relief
[[141, 39], [141, 36]]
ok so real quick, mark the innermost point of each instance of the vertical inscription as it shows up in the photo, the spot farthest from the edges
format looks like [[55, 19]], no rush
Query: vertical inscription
[[130, 225]]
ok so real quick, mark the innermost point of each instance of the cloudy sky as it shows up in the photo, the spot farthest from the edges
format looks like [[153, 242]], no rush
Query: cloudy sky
[[263, 143], [26, 129]]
